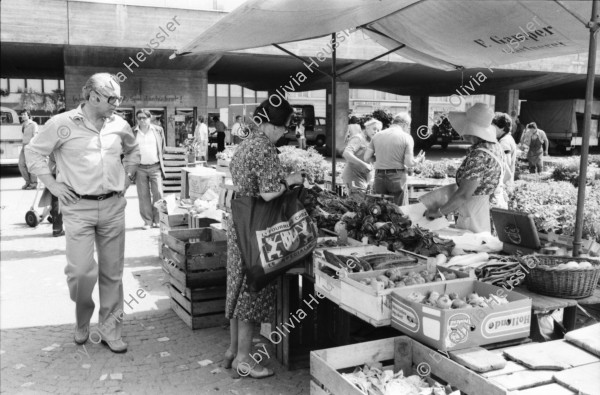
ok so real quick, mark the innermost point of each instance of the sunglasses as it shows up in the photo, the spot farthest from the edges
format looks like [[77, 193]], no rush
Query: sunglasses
[[142, 118], [111, 99]]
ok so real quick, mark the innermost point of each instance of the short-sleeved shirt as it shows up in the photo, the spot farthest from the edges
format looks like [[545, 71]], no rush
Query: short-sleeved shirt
[[509, 147], [255, 166], [481, 166], [393, 149], [540, 138], [30, 129], [357, 145]]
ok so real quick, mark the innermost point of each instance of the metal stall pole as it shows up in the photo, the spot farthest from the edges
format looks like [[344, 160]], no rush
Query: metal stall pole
[[585, 143], [333, 98]]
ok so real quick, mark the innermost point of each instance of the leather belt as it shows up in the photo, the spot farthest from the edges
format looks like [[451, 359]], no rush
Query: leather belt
[[152, 164], [386, 171], [97, 197]]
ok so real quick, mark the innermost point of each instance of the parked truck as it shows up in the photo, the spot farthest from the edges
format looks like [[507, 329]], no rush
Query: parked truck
[[562, 120], [11, 137]]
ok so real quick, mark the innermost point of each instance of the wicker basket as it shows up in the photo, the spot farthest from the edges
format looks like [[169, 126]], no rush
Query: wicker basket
[[545, 279]]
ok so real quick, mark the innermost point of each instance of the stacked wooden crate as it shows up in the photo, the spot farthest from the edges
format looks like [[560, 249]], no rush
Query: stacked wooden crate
[[174, 159], [169, 222], [196, 260]]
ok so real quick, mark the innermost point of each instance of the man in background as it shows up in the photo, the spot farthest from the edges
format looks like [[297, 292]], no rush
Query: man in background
[[393, 152], [537, 142], [148, 178], [236, 130], [220, 128], [29, 129]]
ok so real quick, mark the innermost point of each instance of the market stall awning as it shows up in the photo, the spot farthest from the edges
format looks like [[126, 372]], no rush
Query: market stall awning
[[440, 34]]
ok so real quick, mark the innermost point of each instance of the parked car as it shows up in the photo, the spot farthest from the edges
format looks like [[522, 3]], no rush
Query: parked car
[[314, 127]]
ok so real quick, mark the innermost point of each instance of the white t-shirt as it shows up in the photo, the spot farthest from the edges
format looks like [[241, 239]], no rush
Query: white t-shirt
[[509, 146]]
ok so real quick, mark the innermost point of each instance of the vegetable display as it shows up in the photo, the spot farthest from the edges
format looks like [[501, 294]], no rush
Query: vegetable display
[[553, 205], [380, 221], [309, 162], [454, 301], [437, 169], [375, 380], [397, 278]]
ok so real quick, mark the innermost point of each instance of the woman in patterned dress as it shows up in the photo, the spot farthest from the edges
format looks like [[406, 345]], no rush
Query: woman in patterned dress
[[479, 174], [255, 171]]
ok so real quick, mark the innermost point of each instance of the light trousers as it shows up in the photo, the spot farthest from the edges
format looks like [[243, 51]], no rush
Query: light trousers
[[148, 182], [100, 223], [29, 178]]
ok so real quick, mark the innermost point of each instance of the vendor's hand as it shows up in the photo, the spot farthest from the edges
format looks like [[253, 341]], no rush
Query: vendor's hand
[[295, 179], [368, 167], [433, 213], [64, 194]]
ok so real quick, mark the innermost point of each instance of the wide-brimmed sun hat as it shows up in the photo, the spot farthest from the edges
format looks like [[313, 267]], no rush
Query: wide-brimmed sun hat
[[476, 121]]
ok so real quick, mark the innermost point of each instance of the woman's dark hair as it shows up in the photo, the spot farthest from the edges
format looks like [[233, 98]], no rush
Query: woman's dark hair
[[143, 111], [503, 121], [531, 125], [25, 112], [279, 115]]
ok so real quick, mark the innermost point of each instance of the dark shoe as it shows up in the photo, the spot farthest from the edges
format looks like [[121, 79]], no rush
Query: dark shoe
[[117, 346], [25, 186], [82, 334], [32, 186], [58, 234]]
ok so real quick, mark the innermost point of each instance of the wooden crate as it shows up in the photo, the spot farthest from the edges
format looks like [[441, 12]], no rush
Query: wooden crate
[[199, 256], [404, 354], [198, 307], [174, 159], [198, 221]]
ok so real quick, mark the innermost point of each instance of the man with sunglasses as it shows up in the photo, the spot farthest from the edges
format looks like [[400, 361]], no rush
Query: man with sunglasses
[[87, 143], [149, 174]]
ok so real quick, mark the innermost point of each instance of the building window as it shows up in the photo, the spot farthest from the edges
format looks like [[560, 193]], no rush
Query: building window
[[17, 85], [51, 85], [35, 85], [4, 84], [61, 84], [223, 90], [235, 91], [249, 95], [262, 94]]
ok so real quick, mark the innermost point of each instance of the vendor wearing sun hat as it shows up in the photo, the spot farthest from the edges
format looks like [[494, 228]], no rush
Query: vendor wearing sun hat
[[479, 174]]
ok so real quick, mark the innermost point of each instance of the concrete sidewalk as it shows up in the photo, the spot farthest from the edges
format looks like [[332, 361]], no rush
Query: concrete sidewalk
[[38, 354]]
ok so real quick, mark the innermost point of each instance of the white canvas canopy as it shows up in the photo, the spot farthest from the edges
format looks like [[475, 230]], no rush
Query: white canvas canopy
[[436, 33], [448, 35]]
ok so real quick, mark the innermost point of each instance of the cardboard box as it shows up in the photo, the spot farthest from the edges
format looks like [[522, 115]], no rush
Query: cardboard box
[[172, 220], [327, 284], [455, 329], [374, 306]]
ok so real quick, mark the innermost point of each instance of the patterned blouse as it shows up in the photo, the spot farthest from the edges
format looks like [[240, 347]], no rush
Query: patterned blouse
[[480, 166], [255, 166]]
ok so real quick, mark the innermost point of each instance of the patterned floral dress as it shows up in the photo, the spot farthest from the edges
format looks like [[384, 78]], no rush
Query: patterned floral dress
[[480, 166], [255, 168]]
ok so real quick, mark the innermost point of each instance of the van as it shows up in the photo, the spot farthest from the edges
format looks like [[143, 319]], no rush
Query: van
[[11, 137]]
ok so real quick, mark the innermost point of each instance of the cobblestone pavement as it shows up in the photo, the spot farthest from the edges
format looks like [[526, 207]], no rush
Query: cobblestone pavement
[[164, 357], [38, 354]]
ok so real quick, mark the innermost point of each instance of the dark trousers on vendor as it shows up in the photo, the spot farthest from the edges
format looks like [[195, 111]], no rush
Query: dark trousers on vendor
[[57, 220], [391, 182], [220, 141]]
